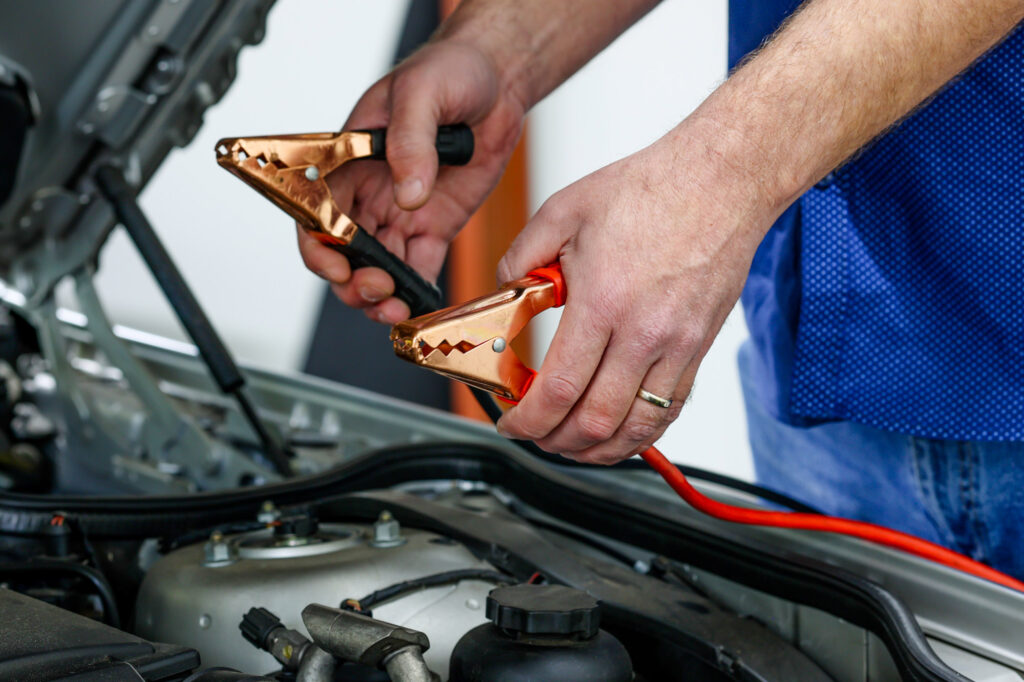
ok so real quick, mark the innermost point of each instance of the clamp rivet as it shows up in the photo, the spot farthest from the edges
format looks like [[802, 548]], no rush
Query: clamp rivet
[[499, 345], [312, 173]]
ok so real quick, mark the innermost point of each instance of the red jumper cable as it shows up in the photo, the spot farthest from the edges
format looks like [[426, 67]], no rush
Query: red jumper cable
[[470, 343]]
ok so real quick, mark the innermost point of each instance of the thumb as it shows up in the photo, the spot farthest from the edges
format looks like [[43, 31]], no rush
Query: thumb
[[410, 143], [539, 243]]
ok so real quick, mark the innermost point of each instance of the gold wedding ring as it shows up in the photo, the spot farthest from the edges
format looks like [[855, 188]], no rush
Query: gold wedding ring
[[653, 399]]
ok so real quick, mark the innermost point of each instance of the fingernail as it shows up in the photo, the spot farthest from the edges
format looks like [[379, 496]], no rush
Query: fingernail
[[501, 431], [409, 192], [372, 294]]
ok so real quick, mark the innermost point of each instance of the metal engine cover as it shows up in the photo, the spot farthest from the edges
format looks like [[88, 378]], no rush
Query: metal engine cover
[[190, 600]]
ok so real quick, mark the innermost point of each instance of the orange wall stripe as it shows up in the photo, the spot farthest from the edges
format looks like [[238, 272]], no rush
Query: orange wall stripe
[[473, 259]]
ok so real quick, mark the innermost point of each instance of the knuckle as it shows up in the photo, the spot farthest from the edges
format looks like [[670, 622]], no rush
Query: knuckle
[[523, 429], [639, 429], [557, 209], [404, 84], [596, 428], [562, 389], [691, 337], [650, 338], [529, 432]]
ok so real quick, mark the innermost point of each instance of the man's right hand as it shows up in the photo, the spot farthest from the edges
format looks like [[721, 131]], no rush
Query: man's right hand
[[413, 207]]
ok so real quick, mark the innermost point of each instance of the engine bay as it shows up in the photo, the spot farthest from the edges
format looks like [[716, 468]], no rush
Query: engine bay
[[168, 516], [412, 519]]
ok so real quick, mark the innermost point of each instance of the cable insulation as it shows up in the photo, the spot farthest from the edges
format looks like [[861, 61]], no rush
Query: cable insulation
[[796, 520]]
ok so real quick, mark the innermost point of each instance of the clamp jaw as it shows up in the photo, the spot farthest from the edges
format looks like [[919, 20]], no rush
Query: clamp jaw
[[470, 342], [291, 171]]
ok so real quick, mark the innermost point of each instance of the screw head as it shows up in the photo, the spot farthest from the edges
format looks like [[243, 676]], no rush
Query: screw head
[[499, 345], [312, 173]]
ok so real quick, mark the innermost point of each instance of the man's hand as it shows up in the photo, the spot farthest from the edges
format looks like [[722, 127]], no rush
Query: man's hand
[[486, 66], [414, 208], [655, 249]]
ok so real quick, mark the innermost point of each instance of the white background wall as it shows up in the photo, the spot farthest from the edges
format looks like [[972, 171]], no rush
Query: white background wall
[[238, 251]]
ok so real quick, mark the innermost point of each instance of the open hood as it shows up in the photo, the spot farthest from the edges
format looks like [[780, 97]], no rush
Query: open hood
[[121, 81]]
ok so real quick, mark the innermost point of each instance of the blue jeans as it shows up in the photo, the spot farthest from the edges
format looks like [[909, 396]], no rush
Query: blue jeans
[[966, 495]]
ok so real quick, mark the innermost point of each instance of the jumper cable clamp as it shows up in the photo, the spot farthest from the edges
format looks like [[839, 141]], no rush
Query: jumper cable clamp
[[290, 170], [471, 342]]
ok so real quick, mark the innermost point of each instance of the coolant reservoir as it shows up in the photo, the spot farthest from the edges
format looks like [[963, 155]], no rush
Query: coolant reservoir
[[540, 632]]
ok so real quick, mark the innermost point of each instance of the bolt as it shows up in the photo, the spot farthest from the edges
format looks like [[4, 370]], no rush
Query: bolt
[[205, 621], [386, 531], [499, 345], [218, 552], [312, 173], [268, 513]]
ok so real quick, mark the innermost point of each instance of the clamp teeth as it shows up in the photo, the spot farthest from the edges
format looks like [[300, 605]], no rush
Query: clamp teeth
[[446, 348]]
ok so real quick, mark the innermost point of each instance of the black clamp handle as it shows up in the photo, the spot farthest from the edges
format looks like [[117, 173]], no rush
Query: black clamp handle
[[454, 144], [364, 251], [454, 148]]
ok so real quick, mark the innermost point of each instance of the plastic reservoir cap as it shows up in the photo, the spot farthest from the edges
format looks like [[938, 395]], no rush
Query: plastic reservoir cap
[[544, 610]]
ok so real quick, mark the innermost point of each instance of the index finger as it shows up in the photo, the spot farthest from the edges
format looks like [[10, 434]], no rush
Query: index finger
[[571, 361]]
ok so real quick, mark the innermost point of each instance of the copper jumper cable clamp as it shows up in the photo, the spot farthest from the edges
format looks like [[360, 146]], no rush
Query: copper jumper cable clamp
[[471, 342], [290, 170]]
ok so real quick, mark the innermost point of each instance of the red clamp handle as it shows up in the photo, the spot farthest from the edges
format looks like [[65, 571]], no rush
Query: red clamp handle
[[553, 274]]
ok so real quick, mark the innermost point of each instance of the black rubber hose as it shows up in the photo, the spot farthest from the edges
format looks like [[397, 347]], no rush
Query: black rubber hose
[[436, 580], [32, 569], [579, 536]]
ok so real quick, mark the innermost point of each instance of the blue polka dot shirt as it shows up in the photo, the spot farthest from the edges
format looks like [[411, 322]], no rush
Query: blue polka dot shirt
[[892, 293]]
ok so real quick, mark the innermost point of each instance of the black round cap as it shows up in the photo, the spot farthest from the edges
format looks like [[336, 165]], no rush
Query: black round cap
[[544, 610]]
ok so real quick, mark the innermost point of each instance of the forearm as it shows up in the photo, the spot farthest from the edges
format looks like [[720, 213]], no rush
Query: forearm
[[538, 44], [838, 74]]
